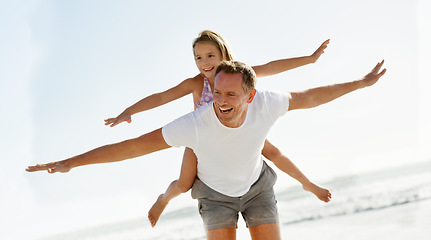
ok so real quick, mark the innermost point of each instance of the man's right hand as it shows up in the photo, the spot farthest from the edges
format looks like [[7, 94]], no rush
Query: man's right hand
[[52, 167]]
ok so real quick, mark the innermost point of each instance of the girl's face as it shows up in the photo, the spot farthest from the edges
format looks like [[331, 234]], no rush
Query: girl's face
[[207, 58]]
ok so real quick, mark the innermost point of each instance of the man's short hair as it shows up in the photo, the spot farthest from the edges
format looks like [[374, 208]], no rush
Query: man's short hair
[[248, 74]]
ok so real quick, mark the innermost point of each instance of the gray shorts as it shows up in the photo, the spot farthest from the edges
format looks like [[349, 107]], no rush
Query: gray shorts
[[258, 206]]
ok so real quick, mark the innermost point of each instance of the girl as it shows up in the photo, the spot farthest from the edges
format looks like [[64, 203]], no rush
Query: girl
[[209, 49]]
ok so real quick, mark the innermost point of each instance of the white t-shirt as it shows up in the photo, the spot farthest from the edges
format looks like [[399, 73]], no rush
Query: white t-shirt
[[229, 159]]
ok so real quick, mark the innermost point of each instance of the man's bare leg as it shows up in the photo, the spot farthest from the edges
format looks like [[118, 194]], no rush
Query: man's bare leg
[[182, 185], [269, 231], [223, 233]]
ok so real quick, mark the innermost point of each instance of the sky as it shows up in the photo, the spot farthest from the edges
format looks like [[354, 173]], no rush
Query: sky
[[65, 66]]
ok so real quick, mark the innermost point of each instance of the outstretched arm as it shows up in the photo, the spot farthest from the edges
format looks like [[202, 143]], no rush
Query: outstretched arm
[[316, 96], [282, 65], [152, 101], [145, 144]]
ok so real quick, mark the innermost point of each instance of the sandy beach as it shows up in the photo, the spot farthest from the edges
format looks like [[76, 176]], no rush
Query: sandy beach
[[407, 221], [392, 204]]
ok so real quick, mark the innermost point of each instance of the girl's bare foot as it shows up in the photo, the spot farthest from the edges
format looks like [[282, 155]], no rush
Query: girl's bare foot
[[156, 210], [321, 193]]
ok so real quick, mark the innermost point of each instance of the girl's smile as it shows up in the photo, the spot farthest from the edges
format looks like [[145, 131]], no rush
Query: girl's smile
[[207, 58]]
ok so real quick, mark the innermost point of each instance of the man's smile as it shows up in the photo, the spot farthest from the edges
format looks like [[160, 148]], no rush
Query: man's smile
[[225, 110]]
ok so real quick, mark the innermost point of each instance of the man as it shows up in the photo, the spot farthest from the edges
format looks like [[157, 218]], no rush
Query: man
[[227, 136]]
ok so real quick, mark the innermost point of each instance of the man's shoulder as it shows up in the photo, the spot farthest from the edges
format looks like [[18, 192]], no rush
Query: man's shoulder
[[266, 95], [202, 113], [272, 101]]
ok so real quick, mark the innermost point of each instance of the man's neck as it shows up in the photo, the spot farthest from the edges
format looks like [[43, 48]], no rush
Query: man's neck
[[234, 123]]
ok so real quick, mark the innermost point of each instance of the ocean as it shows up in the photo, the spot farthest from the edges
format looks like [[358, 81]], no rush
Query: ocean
[[390, 204]]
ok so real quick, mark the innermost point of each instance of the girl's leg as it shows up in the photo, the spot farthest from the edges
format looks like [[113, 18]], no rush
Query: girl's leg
[[182, 185], [284, 164]]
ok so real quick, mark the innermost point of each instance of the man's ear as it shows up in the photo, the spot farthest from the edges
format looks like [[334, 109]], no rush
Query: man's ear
[[251, 95]]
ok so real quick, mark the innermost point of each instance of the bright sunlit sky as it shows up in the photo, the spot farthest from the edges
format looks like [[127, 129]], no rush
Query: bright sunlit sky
[[65, 66]]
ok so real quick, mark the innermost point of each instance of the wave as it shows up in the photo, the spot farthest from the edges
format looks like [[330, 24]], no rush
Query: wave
[[351, 195], [357, 194]]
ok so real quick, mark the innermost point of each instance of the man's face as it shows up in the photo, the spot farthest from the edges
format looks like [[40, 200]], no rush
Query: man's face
[[230, 99]]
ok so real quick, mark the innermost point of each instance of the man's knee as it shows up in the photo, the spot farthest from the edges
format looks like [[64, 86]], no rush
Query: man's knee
[[266, 231], [224, 233]]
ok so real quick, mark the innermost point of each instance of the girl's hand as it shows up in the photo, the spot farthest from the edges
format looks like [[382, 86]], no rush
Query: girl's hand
[[319, 51], [119, 119]]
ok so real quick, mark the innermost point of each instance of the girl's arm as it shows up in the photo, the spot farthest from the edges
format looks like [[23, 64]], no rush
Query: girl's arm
[[153, 101], [282, 65]]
